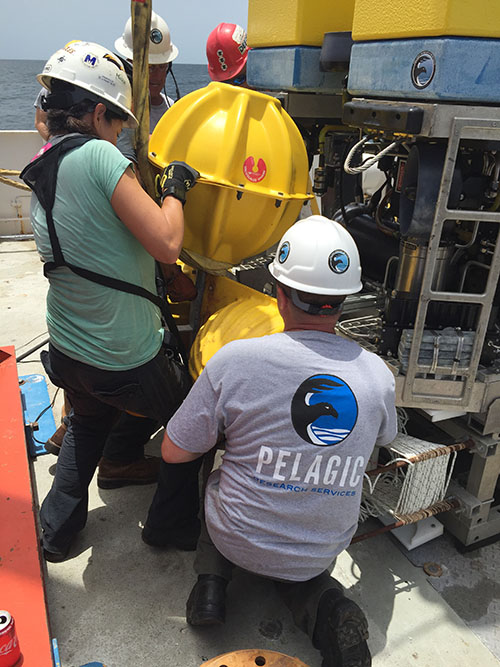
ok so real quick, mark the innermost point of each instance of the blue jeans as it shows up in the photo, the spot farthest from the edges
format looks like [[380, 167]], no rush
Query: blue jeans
[[98, 398]]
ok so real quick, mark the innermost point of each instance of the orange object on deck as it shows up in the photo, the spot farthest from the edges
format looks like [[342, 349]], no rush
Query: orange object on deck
[[254, 656], [21, 577]]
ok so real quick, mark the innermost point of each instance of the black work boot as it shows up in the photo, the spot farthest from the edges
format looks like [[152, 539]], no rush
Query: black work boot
[[341, 632], [184, 538], [206, 604]]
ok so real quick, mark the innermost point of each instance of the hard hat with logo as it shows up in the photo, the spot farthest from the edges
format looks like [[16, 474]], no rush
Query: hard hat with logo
[[161, 49], [227, 51], [95, 72], [318, 256]]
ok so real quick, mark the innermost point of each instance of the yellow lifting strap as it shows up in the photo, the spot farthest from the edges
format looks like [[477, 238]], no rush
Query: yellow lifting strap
[[141, 25]]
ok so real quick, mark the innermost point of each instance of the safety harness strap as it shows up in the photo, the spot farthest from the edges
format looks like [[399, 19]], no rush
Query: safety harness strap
[[41, 176]]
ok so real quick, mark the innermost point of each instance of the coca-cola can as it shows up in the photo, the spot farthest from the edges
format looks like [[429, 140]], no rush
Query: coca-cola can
[[10, 653]]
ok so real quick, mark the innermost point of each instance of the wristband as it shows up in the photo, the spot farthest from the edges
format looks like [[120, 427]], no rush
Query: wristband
[[175, 190]]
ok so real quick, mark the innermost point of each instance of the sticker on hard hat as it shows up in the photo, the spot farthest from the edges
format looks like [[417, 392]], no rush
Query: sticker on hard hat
[[90, 60], [112, 59], [222, 60], [284, 252], [254, 175], [156, 36], [338, 261], [423, 69], [239, 36], [324, 410]]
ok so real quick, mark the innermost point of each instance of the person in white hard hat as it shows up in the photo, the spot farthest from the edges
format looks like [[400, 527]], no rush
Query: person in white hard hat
[[162, 52], [98, 234], [301, 412]]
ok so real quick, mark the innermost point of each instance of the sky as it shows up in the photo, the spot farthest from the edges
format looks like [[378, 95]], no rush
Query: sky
[[34, 29]]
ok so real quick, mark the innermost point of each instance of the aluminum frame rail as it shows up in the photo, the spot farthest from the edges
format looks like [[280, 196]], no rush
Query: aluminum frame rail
[[461, 128]]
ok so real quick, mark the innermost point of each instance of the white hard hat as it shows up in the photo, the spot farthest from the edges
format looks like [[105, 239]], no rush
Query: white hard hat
[[161, 49], [318, 256], [94, 69]]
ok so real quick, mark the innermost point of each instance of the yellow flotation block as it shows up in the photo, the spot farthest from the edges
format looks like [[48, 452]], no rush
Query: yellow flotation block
[[254, 315], [253, 169], [296, 22], [397, 19]]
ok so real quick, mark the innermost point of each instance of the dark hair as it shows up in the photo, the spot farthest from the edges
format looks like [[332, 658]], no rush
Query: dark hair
[[68, 119]]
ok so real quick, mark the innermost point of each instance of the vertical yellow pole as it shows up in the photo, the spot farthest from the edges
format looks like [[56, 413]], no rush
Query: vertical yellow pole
[[141, 26]]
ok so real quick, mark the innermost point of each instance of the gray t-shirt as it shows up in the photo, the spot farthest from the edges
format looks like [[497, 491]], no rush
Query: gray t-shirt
[[125, 142], [301, 412]]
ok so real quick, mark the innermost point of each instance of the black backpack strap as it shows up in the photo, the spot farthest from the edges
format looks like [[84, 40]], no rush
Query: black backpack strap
[[41, 176]]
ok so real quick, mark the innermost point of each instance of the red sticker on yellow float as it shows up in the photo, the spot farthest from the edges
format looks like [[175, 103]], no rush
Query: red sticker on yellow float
[[252, 173]]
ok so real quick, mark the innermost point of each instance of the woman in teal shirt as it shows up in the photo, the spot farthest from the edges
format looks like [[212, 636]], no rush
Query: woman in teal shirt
[[98, 234]]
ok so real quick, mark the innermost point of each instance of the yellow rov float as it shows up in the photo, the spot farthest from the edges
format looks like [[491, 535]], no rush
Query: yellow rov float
[[253, 184]]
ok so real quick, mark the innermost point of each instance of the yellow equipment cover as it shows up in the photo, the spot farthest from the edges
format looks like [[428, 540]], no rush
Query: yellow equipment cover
[[390, 19], [296, 22], [255, 316], [253, 169]]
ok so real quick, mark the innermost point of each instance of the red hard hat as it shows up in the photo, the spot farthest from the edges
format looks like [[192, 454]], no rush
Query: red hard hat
[[227, 51]]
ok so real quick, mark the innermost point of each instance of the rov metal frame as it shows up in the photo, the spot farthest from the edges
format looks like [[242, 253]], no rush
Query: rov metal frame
[[461, 128], [477, 392]]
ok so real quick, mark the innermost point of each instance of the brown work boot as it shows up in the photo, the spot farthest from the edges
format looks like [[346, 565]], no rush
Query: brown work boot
[[54, 443], [113, 474]]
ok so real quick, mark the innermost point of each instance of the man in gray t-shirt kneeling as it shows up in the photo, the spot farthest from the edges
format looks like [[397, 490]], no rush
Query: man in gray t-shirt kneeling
[[301, 412]]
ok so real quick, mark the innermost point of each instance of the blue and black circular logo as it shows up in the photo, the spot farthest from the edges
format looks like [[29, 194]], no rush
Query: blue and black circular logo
[[156, 36], [283, 253], [324, 410], [338, 261], [423, 69]]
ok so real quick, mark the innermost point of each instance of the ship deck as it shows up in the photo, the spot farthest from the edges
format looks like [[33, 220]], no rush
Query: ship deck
[[120, 602]]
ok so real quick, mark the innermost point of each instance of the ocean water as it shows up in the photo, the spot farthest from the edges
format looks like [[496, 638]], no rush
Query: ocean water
[[19, 88]]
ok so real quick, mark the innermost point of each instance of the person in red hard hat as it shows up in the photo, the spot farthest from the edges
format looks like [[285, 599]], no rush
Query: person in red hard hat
[[227, 54]]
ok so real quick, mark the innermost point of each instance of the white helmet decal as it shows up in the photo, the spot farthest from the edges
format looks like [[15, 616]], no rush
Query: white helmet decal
[[338, 261], [89, 59]]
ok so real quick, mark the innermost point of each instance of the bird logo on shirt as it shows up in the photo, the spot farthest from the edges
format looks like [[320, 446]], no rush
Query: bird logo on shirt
[[324, 410]]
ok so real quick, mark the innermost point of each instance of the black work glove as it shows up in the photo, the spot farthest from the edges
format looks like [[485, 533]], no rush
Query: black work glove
[[176, 179]]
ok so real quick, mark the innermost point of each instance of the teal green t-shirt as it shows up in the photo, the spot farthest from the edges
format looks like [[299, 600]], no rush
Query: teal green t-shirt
[[88, 322]]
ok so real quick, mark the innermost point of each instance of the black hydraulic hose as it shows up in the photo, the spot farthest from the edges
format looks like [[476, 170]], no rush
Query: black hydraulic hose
[[177, 91], [341, 184]]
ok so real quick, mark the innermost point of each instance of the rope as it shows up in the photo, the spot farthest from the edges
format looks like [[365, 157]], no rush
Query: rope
[[417, 477], [9, 181], [369, 162], [141, 25]]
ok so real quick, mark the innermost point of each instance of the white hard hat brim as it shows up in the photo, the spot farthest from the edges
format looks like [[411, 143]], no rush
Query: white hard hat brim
[[321, 291], [154, 58], [131, 122]]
